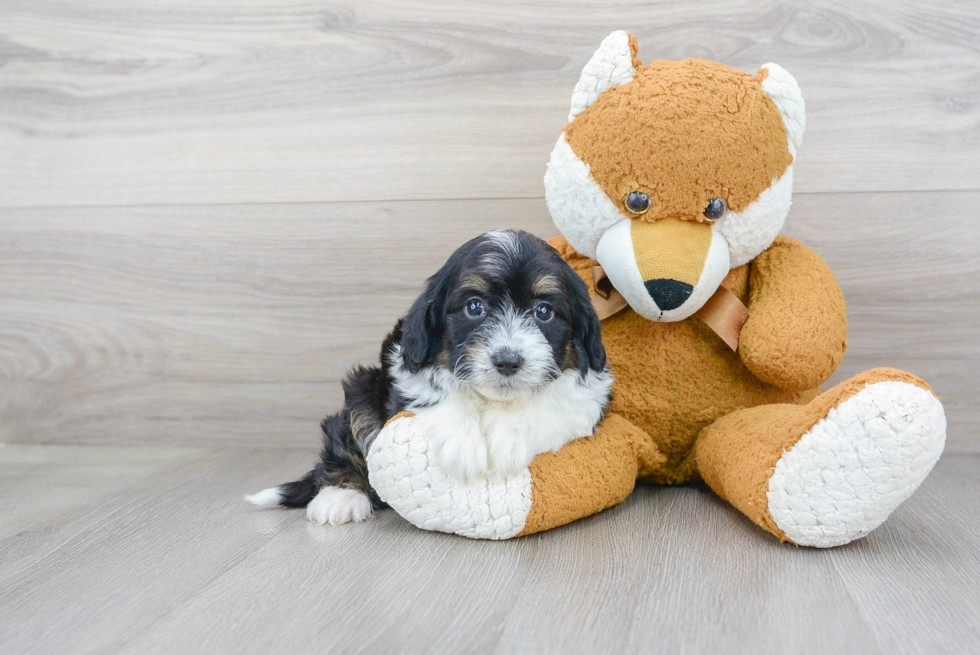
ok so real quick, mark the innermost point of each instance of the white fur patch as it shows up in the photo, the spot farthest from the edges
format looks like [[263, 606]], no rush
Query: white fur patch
[[567, 409], [417, 464], [472, 436], [581, 210], [403, 470], [611, 65], [852, 469], [427, 387], [335, 505], [265, 498]]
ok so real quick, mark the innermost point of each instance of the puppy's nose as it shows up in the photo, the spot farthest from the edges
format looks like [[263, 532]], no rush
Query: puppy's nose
[[668, 294], [507, 362]]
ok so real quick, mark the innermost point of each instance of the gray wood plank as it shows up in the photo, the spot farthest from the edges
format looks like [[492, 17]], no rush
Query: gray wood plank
[[108, 103], [233, 324], [937, 537], [102, 576], [176, 562]]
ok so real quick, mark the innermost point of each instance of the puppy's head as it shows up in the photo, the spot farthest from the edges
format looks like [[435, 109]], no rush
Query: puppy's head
[[504, 315]]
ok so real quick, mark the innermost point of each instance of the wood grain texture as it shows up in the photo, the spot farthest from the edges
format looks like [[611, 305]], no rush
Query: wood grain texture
[[233, 324], [108, 102], [176, 562]]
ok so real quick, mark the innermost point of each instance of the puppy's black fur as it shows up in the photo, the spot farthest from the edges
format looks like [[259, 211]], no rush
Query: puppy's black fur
[[434, 334]]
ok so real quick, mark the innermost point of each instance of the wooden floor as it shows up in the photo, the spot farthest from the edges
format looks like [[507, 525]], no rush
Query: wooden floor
[[209, 211], [110, 549]]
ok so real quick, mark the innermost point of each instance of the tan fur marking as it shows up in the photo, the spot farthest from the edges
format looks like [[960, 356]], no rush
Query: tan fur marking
[[670, 249], [476, 283], [546, 284], [683, 132]]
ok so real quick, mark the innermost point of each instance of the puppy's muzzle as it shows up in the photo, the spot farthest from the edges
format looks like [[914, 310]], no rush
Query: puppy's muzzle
[[507, 362]]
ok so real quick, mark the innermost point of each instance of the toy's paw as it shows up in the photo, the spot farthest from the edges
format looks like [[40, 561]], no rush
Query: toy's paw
[[335, 505], [853, 468], [404, 469], [463, 455]]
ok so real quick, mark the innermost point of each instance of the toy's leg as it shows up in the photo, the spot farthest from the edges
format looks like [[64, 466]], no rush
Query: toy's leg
[[584, 477], [588, 475], [826, 473]]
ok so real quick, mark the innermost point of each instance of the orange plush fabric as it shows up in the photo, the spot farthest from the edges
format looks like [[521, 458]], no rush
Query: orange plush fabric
[[675, 379], [681, 110], [796, 333], [817, 469]]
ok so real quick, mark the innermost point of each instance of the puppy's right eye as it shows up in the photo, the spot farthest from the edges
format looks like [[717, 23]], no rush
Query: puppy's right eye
[[474, 308], [638, 202]]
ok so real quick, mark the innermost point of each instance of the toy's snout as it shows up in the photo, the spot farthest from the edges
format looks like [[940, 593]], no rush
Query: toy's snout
[[666, 269], [671, 255]]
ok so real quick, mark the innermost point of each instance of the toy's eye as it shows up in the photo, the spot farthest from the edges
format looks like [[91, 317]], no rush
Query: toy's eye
[[638, 202], [716, 209], [544, 312], [474, 308]]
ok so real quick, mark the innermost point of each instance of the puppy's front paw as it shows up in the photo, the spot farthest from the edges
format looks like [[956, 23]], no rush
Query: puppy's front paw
[[335, 505], [510, 448], [463, 456]]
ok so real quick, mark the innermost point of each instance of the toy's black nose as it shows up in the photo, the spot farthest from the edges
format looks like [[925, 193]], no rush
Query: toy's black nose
[[507, 362], [668, 294]]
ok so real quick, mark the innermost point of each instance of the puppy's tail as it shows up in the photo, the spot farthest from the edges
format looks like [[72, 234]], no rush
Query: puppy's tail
[[342, 462], [291, 494]]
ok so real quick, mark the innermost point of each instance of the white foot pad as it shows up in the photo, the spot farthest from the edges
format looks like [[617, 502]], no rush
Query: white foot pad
[[403, 469], [852, 469], [335, 505]]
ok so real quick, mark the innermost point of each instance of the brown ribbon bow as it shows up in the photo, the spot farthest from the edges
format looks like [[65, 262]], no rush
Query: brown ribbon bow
[[724, 312]]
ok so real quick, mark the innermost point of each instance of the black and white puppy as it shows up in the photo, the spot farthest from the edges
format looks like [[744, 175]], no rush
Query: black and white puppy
[[500, 358]]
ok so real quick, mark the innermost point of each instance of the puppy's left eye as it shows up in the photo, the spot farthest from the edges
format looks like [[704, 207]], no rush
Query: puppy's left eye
[[544, 312], [474, 308]]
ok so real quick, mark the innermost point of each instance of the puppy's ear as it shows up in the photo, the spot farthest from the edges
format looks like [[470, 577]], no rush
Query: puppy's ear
[[586, 327], [425, 323]]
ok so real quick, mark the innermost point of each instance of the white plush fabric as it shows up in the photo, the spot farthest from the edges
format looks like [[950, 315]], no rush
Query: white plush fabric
[[852, 469], [786, 94], [750, 232], [579, 207], [403, 471], [611, 65]]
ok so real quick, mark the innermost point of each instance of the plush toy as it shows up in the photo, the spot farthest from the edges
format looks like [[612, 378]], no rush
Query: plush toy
[[669, 185]]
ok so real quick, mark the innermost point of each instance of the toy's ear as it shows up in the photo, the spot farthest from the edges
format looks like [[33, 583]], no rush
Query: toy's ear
[[785, 92], [613, 64]]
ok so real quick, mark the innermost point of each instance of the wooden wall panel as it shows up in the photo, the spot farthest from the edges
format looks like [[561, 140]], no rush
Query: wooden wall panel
[[234, 324], [111, 102]]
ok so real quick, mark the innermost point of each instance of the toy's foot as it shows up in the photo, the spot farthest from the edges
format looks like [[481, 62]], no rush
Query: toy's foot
[[831, 471], [853, 468]]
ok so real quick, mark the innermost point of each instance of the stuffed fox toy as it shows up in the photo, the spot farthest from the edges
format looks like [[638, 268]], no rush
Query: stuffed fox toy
[[669, 186]]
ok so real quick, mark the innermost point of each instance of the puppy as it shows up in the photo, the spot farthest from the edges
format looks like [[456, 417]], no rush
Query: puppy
[[500, 358]]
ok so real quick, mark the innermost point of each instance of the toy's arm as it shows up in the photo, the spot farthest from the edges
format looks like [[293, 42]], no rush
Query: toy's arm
[[796, 333], [584, 477]]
